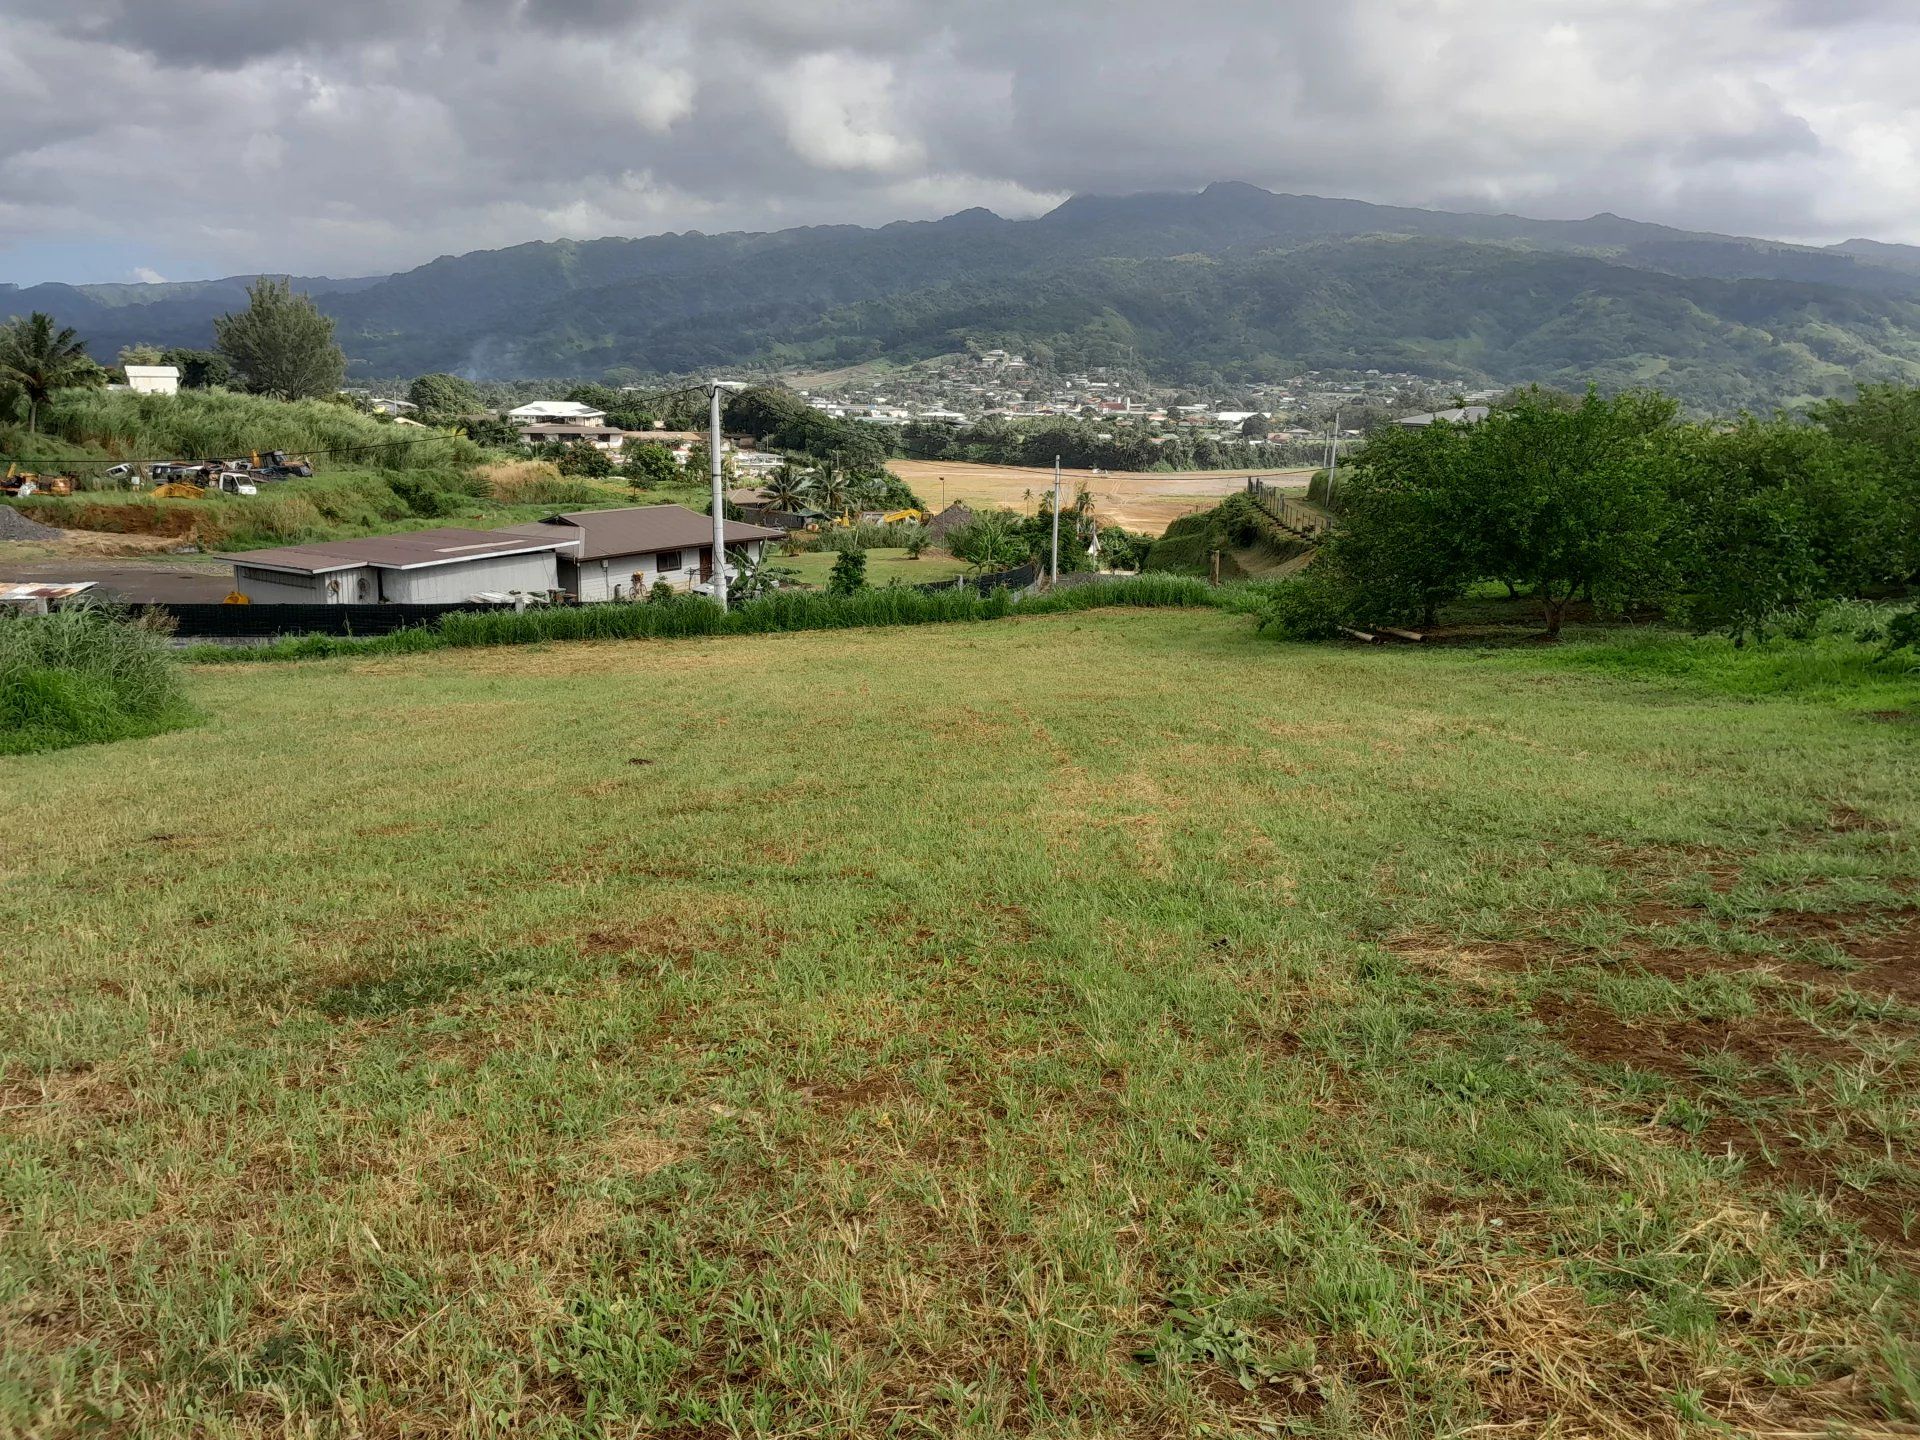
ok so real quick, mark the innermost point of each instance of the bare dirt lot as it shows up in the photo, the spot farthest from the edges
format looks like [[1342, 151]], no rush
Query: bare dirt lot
[[1140, 500], [124, 567]]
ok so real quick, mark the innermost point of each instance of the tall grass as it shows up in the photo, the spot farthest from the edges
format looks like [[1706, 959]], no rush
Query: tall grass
[[322, 507], [217, 424], [692, 616], [84, 675]]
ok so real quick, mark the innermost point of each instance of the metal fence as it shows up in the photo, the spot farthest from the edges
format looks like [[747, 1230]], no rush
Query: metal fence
[[264, 622], [1306, 521], [1016, 579]]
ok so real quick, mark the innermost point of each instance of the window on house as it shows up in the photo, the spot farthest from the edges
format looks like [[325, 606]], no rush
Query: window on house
[[667, 560]]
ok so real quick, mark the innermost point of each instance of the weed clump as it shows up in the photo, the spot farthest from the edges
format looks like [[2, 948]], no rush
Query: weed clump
[[83, 676]]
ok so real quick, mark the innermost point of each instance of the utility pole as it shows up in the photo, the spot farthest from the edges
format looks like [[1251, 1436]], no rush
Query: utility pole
[[719, 495], [1056, 520], [1333, 456]]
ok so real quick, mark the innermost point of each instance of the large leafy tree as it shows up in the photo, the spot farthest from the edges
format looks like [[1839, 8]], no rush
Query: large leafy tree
[[38, 358], [281, 345], [199, 369], [649, 465], [1886, 420], [1576, 502], [1409, 522], [1779, 517], [444, 397]]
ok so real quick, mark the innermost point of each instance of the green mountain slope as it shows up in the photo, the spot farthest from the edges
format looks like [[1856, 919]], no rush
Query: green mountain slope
[[1232, 282]]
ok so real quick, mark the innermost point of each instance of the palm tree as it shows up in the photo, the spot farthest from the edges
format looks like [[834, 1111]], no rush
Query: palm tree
[[833, 491], [41, 360], [788, 488]]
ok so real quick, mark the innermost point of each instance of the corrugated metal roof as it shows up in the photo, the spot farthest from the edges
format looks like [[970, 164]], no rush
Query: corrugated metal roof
[[643, 530], [413, 550], [41, 590]]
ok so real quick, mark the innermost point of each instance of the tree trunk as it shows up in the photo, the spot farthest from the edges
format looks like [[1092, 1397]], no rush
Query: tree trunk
[[1513, 590], [33, 416], [1556, 612]]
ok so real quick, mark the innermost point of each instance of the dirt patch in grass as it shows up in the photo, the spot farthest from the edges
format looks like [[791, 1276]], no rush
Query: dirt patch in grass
[[1884, 943], [1673, 1047], [1769, 1143]]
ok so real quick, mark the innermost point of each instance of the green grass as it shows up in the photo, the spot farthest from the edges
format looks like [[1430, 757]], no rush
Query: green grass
[[883, 567], [219, 424], [1103, 1023], [83, 676], [685, 616]]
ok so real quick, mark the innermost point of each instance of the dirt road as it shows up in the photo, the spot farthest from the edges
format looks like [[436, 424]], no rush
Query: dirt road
[[1139, 500]]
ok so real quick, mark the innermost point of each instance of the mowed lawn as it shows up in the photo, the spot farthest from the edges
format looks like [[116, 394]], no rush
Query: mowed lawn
[[884, 566], [1112, 1024]]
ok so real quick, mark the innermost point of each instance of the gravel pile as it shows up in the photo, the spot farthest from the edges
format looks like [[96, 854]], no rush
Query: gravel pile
[[15, 526]]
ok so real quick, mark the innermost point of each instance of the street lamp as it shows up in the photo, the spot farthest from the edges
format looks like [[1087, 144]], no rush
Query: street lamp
[[714, 389]]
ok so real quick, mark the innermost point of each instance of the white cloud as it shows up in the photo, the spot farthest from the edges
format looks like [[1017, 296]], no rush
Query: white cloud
[[147, 275], [358, 136], [839, 114]]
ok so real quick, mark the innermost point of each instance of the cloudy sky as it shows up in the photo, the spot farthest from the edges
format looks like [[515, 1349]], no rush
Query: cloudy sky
[[193, 138]]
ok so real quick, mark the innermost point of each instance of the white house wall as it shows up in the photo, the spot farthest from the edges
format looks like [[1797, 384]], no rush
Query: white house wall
[[599, 578], [339, 587], [450, 584]]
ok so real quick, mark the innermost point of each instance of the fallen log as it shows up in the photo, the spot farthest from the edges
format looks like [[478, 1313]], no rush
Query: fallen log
[[1413, 635], [1366, 635]]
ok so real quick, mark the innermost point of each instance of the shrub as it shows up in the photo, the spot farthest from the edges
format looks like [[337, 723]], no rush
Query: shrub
[[849, 573], [82, 676], [1311, 606], [581, 458]]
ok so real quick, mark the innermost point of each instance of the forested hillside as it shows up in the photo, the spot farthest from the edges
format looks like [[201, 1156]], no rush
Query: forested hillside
[[1233, 283]]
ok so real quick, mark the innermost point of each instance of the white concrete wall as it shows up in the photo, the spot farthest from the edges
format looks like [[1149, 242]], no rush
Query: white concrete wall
[[452, 583], [154, 384], [340, 587]]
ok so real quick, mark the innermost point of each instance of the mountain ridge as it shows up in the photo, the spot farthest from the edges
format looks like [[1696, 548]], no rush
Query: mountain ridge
[[1747, 320]]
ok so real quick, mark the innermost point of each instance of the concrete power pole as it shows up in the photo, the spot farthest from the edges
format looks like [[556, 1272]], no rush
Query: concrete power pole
[[1056, 520], [1333, 456], [719, 495]]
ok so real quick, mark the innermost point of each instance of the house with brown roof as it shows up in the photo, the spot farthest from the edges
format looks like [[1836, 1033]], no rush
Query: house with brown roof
[[623, 554], [422, 567]]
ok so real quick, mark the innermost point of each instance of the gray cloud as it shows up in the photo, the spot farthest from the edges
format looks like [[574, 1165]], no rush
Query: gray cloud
[[358, 135]]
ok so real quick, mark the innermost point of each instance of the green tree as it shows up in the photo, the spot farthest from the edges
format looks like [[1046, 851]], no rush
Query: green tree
[[700, 464], [141, 355], [1886, 420], [849, 573], [649, 465], [37, 359], [199, 369], [763, 411], [789, 488], [1779, 518], [1409, 537], [444, 397], [1576, 501], [281, 345], [581, 458], [991, 541]]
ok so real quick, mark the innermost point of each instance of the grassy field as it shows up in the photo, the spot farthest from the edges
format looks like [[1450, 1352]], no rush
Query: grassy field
[[1140, 500], [1105, 1024], [883, 566]]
